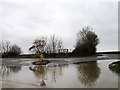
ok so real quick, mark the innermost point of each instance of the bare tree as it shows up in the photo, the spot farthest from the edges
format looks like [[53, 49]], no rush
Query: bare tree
[[60, 44], [9, 50], [54, 44], [54, 41], [48, 45], [48, 48], [39, 45], [5, 46]]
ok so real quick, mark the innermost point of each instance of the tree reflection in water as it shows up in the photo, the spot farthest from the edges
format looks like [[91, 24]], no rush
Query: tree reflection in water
[[53, 73], [88, 73], [7, 70], [39, 71]]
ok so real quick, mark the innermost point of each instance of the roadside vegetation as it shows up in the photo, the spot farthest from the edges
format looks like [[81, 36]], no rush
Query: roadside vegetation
[[115, 67], [9, 50], [85, 45], [86, 42]]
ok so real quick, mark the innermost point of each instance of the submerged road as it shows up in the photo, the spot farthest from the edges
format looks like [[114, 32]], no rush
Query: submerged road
[[56, 61]]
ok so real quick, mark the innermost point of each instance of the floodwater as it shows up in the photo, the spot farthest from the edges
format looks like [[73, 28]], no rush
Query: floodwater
[[22, 74]]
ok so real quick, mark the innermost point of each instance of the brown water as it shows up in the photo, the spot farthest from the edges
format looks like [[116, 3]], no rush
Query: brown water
[[82, 75]]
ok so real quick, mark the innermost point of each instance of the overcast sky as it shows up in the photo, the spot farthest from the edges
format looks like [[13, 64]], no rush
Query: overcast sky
[[25, 20]]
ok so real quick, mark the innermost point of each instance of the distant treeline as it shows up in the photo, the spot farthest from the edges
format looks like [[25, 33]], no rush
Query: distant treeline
[[60, 55], [63, 55], [9, 50], [112, 52], [47, 55]]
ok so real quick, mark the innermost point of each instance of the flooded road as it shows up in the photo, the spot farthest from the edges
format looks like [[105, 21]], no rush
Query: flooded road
[[22, 74]]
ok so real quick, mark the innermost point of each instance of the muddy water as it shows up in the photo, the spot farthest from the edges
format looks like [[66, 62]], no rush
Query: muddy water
[[81, 75]]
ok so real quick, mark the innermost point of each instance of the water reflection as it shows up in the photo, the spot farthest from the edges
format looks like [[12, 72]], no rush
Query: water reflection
[[88, 73], [55, 73], [39, 71], [51, 73], [55, 76], [7, 70]]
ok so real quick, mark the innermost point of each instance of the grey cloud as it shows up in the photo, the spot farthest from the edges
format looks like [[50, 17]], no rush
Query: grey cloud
[[23, 21]]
